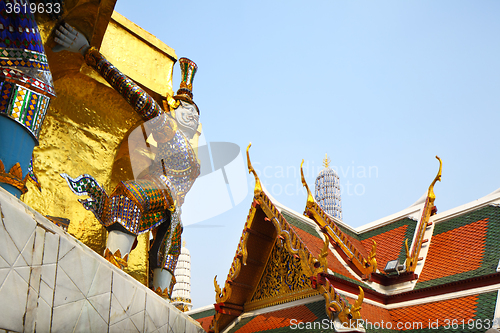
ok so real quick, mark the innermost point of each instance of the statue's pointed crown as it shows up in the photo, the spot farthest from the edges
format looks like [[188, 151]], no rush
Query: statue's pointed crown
[[188, 70]]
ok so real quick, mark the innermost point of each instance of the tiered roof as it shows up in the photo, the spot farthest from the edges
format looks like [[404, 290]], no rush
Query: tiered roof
[[337, 273]]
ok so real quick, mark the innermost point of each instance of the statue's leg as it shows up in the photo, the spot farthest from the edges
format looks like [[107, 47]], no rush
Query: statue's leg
[[163, 257], [118, 245], [161, 277], [121, 218]]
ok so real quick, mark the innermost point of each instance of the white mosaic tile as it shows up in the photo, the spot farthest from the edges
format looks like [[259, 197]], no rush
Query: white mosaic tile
[[193, 328], [102, 281], [90, 321], [117, 312], [66, 290], [149, 325], [3, 263], [23, 272], [167, 329], [123, 290], [65, 246], [124, 326], [8, 250], [43, 316], [36, 272], [27, 252], [157, 310], [138, 320], [46, 292], [138, 302], [20, 262], [80, 268], [176, 321], [49, 274], [38, 247], [13, 295], [30, 315], [101, 304], [66, 316], [51, 248], [18, 224], [3, 274]]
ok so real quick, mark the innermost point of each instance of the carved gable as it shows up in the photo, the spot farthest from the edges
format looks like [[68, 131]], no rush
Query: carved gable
[[283, 279]]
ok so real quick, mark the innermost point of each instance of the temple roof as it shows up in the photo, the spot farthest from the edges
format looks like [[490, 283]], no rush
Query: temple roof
[[451, 263]]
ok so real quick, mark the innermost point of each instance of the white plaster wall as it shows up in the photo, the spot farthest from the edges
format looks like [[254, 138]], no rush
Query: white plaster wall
[[50, 282]]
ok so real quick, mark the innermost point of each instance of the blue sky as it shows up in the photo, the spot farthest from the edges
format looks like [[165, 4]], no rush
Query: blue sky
[[378, 85]]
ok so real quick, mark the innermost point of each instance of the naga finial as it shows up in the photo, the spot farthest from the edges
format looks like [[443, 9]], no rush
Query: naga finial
[[218, 291], [431, 194], [258, 187], [357, 305], [326, 161], [310, 199], [372, 257]]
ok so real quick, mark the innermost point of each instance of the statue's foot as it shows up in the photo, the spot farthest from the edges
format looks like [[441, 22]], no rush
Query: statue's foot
[[116, 258], [163, 293]]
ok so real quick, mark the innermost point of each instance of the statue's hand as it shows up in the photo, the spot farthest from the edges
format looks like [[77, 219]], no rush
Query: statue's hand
[[69, 39]]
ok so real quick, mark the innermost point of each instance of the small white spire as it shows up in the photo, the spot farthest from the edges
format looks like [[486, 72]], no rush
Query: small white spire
[[181, 294]]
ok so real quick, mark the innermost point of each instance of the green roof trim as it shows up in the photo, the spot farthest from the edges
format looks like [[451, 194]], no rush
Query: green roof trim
[[203, 314], [412, 224], [292, 220], [491, 253]]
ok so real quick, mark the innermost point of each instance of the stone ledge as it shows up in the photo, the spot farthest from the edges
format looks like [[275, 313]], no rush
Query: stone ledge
[[51, 282]]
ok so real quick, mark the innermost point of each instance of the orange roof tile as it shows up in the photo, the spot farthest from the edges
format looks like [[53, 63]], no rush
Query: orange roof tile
[[446, 254], [439, 312], [358, 245], [277, 319], [372, 313], [389, 245], [205, 322]]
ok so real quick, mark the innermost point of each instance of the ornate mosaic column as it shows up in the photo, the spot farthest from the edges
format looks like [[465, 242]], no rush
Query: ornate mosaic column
[[25, 91]]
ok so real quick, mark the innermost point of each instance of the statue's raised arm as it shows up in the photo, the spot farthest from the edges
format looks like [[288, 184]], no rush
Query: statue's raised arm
[[69, 39]]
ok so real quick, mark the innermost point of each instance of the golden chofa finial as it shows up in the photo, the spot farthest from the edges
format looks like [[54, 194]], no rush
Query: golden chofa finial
[[258, 187], [431, 194], [326, 161], [310, 199], [183, 243]]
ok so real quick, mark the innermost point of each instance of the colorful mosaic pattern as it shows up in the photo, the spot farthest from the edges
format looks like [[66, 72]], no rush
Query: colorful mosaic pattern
[[23, 105], [170, 248], [31, 175], [177, 159], [188, 71], [136, 205], [22, 56], [87, 185], [142, 103]]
